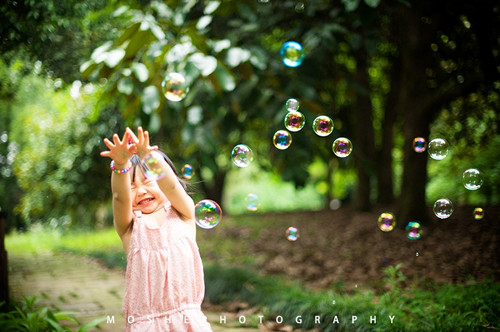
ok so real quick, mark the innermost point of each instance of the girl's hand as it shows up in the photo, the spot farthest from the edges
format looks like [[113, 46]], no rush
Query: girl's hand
[[141, 142], [119, 150]]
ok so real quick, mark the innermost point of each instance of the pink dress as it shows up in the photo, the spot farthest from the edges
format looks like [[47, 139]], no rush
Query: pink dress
[[164, 279]]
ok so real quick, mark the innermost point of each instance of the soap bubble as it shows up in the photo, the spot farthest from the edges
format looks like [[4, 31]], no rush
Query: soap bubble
[[419, 144], [294, 121], [323, 125], [187, 171], [282, 139], [292, 105], [175, 87], [252, 201], [342, 147], [438, 149], [242, 155], [292, 234], [207, 213], [292, 54], [386, 222], [443, 208], [478, 213], [413, 230], [472, 179], [153, 163]]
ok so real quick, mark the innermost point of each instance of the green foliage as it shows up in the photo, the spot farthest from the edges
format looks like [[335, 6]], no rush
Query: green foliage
[[27, 316]]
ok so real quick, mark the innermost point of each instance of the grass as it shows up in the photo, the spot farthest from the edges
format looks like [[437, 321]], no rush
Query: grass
[[231, 277]]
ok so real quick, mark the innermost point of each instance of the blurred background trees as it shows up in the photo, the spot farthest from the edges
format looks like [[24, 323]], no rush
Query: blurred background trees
[[384, 71]]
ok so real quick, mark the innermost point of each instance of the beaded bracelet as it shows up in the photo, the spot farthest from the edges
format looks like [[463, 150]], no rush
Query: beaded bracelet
[[120, 171]]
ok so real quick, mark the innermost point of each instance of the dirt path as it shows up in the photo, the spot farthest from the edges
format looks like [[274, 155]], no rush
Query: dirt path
[[67, 282]]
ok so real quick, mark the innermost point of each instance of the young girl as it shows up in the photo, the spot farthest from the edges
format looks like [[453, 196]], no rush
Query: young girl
[[155, 221]]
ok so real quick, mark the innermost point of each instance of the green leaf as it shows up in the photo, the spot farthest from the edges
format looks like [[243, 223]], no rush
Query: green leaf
[[211, 7], [87, 68], [128, 33], [140, 71], [225, 78], [94, 323], [125, 85], [237, 55], [114, 57], [150, 99], [99, 54], [372, 3], [203, 22], [350, 5], [205, 64]]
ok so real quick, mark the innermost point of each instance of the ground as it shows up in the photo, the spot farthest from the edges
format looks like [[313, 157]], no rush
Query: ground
[[345, 249]]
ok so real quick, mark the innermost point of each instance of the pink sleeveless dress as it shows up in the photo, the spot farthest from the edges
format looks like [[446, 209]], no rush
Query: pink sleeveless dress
[[164, 279]]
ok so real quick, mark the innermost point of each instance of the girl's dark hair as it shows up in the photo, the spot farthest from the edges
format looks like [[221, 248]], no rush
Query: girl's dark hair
[[137, 162]]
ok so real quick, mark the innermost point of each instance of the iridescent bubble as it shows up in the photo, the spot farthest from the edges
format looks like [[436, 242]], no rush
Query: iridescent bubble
[[292, 234], [252, 201], [207, 213], [187, 171], [386, 222], [342, 147], [443, 208], [413, 230], [438, 149], [154, 164], [419, 144], [242, 155], [282, 139], [323, 125], [478, 213], [292, 105], [292, 54], [294, 121], [175, 87], [472, 179]]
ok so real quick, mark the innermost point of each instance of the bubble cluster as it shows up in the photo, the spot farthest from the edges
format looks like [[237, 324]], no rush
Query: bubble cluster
[[438, 149], [292, 105], [292, 234], [419, 144], [242, 155], [252, 202], [478, 213], [175, 87], [153, 164], [187, 171], [386, 222], [292, 54], [472, 179], [443, 208], [207, 213], [294, 121], [282, 139], [413, 230], [323, 125], [342, 147]]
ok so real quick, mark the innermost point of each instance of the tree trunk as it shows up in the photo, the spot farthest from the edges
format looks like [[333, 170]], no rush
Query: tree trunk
[[364, 145]]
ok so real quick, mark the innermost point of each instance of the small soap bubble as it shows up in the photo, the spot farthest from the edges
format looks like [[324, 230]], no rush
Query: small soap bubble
[[292, 54], [342, 147], [282, 139], [294, 121], [187, 171], [207, 213], [175, 87], [416, 254], [443, 208], [438, 149], [292, 105], [242, 155], [299, 7], [386, 222], [472, 179], [335, 204], [323, 125], [153, 162], [419, 144], [413, 230], [292, 234], [478, 213], [252, 201]]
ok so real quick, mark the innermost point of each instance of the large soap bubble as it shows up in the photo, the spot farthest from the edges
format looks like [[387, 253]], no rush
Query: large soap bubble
[[292, 54], [207, 213], [175, 87]]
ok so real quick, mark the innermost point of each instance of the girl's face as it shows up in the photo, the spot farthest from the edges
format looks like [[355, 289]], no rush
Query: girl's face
[[146, 194]]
